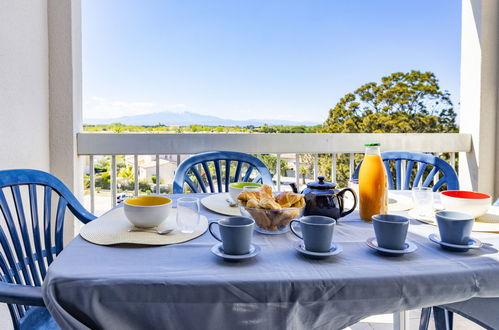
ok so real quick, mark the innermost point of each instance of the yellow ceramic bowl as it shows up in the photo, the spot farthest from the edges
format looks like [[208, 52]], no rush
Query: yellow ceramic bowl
[[147, 211]]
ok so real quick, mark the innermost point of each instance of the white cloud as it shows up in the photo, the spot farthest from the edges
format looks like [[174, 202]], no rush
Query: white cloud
[[100, 107]]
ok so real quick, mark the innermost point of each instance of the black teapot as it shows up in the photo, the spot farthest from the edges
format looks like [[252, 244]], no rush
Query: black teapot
[[322, 198]]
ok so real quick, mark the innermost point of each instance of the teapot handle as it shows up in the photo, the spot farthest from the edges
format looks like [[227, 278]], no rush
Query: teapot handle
[[340, 194]]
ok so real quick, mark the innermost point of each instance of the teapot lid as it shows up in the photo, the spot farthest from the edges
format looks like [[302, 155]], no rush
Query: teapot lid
[[321, 184]]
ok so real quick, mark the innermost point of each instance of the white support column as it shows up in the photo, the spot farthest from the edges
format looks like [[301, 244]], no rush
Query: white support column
[[401, 320], [64, 49], [479, 94]]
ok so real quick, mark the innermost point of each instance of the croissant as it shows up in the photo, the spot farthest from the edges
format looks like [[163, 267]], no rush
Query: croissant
[[300, 203], [287, 199], [266, 189], [253, 203], [245, 196], [269, 204]]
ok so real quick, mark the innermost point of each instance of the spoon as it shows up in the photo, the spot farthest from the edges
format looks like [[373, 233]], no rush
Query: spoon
[[231, 202], [155, 231]]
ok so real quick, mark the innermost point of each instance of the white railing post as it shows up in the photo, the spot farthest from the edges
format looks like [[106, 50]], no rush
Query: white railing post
[[278, 172], [92, 184], [136, 175], [316, 166], [297, 171], [351, 166], [157, 175], [114, 176], [401, 320], [333, 167]]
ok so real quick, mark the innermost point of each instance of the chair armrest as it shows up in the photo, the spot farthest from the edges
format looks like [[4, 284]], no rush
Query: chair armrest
[[21, 294]]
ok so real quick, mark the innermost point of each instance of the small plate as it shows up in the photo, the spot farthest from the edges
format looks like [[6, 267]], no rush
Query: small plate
[[373, 244], [335, 249], [472, 244], [218, 250]]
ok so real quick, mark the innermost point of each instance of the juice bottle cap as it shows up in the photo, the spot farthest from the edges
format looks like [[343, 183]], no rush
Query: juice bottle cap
[[372, 144]]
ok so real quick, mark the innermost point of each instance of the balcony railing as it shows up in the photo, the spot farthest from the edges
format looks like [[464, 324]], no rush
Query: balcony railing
[[111, 144]]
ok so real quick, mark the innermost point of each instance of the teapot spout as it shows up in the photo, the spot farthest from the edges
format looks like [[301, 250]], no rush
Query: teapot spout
[[293, 187]]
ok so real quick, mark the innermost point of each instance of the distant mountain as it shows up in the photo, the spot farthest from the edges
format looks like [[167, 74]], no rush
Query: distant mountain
[[191, 118]]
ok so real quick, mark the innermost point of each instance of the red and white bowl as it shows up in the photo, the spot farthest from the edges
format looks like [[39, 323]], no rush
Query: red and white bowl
[[469, 202]]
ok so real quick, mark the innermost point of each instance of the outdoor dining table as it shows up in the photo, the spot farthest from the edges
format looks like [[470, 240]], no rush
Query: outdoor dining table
[[185, 286]]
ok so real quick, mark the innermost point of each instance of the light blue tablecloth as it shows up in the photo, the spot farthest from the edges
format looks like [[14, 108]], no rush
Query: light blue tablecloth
[[185, 286]]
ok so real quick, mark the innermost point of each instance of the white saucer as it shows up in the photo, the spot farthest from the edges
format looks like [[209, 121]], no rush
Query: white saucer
[[472, 244], [218, 250], [373, 244], [335, 249]]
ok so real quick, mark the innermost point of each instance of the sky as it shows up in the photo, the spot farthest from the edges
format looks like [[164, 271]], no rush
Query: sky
[[265, 59]]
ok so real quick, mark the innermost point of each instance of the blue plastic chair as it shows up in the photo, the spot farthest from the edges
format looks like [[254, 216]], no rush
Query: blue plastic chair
[[447, 176], [436, 165], [28, 246], [196, 173]]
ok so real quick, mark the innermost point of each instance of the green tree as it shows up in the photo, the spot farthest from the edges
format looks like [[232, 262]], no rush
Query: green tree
[[409, 102]]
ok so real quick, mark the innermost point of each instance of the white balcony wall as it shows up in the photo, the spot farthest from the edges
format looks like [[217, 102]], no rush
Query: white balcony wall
[[480, 94], [24, 85]]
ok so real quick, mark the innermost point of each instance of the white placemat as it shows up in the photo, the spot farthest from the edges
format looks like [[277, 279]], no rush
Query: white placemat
[[218, 203], [396, 201], [487, 223], [112, 228]]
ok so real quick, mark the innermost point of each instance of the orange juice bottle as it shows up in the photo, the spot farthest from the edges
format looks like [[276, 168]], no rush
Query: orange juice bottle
[[372, 184]]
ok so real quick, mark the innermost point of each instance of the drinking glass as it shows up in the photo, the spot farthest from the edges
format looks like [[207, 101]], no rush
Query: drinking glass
[[187, 214], [423, 201]]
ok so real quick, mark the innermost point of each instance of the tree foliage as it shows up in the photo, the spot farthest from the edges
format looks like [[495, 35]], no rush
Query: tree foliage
[[409, 102]]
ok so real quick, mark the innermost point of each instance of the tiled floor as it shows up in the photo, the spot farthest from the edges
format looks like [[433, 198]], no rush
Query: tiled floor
[[385, 322]]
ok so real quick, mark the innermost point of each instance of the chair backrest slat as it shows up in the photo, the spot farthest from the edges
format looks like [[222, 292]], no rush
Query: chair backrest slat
[[191, 184], [248, 173], [237, 175], [12, 265], [408, 172], [16, 194], [227, 174], [218, 173], [398, 173], [235, 162], [430, 176], [59, 225], [47, 215], [199, 179], [419, 174], [208, 176], [36, 230], [388, 174], [14, 236]]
